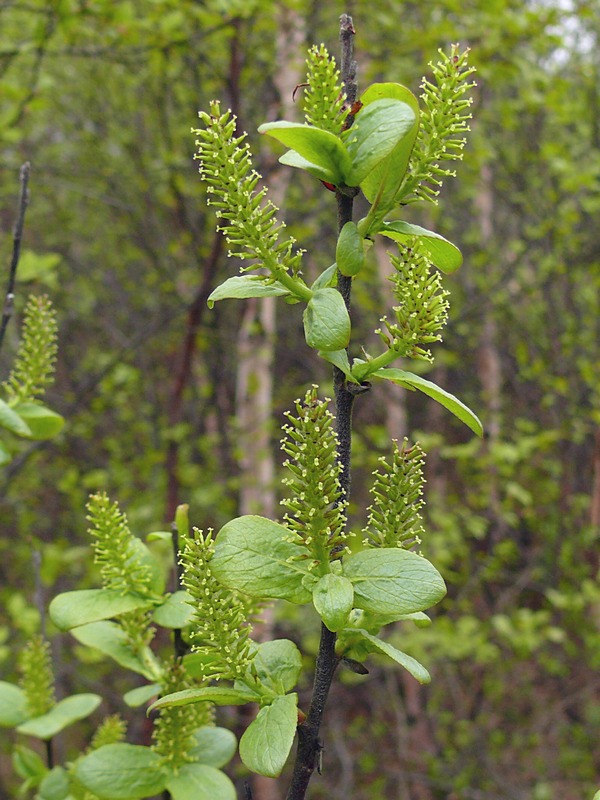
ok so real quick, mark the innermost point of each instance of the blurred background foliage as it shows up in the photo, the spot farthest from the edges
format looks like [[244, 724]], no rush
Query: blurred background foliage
[[100, 97]]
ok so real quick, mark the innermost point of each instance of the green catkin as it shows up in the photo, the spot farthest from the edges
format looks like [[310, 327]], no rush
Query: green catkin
[[324, 97], [33, 368], [220, 627], [422, 308], [249, 223], [397, 491], [37, 678], [316, 512], [444, 120]]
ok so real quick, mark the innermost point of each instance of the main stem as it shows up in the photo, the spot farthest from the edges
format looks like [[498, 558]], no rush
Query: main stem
[[309, 744]]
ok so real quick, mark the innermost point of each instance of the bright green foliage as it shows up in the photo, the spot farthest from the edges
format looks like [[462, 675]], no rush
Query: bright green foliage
[[220, 622], [37, 677], [251, 228], [173, 732], [316, 510], [33, 369], [115, 552], [422, 306], [394, 518], [444, 119], [324, 97]]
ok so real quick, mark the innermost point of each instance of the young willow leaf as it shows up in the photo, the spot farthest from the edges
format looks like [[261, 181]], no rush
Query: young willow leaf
[[214, 746], [122, 772], [266, 743], [378, 128], [349, 251], [326, 321], [278, 665], [70, 609], [411, 381], [200, 782], [64, 713], [317, 147], [332, 598], [219, 695], [442, 253], [110, 639], [41, 421], [243, 286], [13, 705], [410, 664], [393, 581], [254, 555]]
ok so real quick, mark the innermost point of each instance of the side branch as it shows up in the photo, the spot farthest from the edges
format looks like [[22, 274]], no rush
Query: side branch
[[16, 253]]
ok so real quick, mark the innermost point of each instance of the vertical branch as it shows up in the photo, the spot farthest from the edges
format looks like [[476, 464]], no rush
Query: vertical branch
[[17, 237], [309, 744]]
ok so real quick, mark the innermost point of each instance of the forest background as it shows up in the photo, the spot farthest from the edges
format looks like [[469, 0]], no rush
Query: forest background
[[168, 402]]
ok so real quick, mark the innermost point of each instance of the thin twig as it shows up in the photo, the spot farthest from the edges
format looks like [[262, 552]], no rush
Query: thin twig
[[17, 237]]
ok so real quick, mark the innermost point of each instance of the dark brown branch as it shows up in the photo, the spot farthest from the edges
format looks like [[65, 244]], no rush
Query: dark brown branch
[[17, 237], [309, 743]]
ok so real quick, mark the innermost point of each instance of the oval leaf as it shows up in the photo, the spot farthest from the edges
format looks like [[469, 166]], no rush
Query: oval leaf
[[243, 286], [214, 746], [252, 555], [110, 639], [318, 147], [140, 695], [393, 581], [41, 421], [333, 597], [377, 130], [349, 251], [326, 321], [409, 663], [13, 705], [278, 664], [200, 782], [71, 609], [219, 695], [10, 420], [266, 743], [121, 772], [339, 358], [65, 713], [385, 179], [411, 381], [445, 255], [175, 612], [55, 785], [294, 159]]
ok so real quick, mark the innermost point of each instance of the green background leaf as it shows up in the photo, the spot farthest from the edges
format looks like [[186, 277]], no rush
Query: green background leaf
[[122, 772], [214, 746], [200, 782], [267, 741], [71, 609], [64, 713], [13, 705]]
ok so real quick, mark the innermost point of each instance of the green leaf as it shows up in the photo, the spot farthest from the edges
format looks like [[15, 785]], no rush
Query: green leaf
[[13, 705], [5, 455], [332, 597], [28, 764], [141, 554], [71, 609], [278, 664], [410, 664], [293, 159], [219, 695], [10, 420], [445, 255], [377, 130], [175, 612], [41, 421], [393, 581], [160, 536], [243, 286], [252, 555], [200, 782], [327, 279], [122, 772], [214, 746], [110, 639], [384, 180], [411, 381], [339, 358], [267, 741], [55, 785], [319, 148], [326, 321], [349, 251], [140, 695], [64, 713]]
